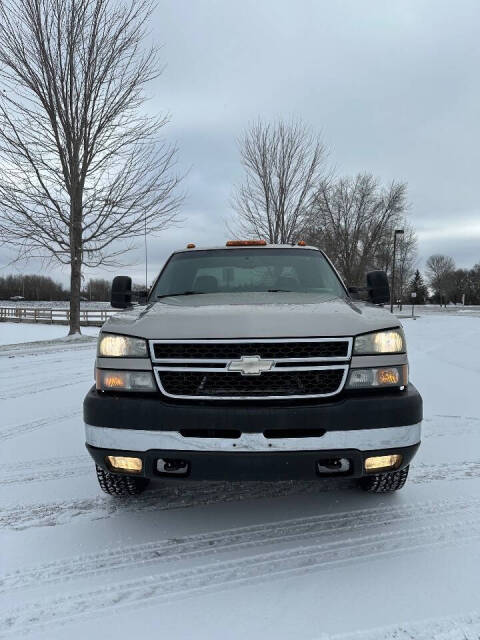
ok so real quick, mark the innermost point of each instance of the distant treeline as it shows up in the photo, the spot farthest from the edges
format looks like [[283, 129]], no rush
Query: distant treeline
[[449, 284], [33, 287]]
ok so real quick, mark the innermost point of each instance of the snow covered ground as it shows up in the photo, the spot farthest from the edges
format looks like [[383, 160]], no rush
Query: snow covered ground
[[312, 560], [15, 332], [53, 304]]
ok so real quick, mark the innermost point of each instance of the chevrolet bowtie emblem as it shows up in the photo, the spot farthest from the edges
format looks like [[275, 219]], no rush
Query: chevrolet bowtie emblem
[[250, 365]]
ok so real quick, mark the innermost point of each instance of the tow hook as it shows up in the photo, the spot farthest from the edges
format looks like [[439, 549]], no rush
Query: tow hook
[[333, 466], [172, 466]]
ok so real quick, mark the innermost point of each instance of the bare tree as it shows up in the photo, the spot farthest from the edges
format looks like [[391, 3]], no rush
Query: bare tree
[[353, 220], [440, 271], [283, 164], [82, 168]]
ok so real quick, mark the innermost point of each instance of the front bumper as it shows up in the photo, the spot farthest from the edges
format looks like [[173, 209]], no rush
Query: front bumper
[[265, 444], [271, 465]]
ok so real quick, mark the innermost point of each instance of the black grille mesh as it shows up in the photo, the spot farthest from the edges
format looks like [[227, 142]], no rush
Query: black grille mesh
[[274, 383], [229, 351]]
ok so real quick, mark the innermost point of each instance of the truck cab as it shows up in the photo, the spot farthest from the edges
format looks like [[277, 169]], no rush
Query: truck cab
[[251, 362]]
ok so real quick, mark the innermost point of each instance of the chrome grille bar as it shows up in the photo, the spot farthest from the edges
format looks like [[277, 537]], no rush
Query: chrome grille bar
[[299, 364]]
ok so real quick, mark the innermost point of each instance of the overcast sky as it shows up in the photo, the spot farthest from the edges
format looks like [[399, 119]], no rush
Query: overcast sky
[[393, 86]]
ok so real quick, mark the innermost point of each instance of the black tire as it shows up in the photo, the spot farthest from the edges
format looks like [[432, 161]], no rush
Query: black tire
[[385, 482], [118, 485]]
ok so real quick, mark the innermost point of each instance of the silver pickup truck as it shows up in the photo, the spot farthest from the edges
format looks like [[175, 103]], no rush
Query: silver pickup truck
[[251, 362]]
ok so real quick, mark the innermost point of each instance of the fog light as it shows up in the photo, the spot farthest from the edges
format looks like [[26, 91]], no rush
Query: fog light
[[383, 463], [122, 463]]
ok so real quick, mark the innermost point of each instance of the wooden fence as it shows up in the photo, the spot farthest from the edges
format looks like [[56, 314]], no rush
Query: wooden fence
[[88, 317]]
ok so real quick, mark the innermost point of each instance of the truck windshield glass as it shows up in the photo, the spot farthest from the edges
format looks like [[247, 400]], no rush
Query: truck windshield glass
[[248, 270]]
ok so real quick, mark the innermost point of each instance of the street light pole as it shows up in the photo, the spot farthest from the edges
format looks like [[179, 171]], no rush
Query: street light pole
[[398, 232], [146, 255]]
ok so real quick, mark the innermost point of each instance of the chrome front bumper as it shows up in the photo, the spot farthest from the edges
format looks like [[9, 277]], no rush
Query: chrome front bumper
[[360, 439]]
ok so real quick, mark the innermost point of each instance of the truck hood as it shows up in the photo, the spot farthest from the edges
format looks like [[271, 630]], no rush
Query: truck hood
[[250, 315]]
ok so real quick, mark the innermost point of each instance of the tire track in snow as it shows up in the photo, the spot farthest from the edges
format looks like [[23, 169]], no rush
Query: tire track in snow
[[39, 386], [45, 469], [43, 347], [440, 425], [200, 494], [466, 627], [12, 431], [206, 544], [423, 473], [166, 498], [218, 576]]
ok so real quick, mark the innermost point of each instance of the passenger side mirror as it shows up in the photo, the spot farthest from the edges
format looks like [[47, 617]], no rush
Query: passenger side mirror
[[121, 296], [378, 287], [358, 293]]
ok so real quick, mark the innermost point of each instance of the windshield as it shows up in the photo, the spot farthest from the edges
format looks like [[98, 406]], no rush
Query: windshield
[[247, 270]]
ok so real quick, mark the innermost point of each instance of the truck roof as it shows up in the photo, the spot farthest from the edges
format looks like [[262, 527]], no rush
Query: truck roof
[[265, 246]]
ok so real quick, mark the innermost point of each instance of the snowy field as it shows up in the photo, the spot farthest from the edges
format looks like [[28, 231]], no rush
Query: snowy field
[[53, 304], [313, 560], [15, 333]]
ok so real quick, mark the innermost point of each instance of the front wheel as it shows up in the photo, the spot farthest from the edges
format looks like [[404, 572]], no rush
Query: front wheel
[[385, 482], [118, 485]]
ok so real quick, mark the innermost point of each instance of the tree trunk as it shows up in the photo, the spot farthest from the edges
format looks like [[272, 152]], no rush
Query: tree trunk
[[75, 264], [75, 285]]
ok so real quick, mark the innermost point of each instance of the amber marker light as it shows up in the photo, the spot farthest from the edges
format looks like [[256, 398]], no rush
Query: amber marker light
[[110, 380], [302, 243], [190, 245], [113, 382], [388, 376], [383, 463], [246, 243], [124, 463]]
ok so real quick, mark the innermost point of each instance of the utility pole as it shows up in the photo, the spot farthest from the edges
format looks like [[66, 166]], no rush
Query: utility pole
[[398, 232]]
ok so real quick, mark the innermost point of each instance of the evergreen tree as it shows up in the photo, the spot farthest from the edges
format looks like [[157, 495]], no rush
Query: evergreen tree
[[418, 286]]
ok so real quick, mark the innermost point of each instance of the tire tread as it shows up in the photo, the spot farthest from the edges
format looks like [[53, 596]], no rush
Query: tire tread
[[385, 482], [119, 485]]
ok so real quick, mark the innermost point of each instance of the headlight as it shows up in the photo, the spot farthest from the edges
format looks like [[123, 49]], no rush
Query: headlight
[[110, 380], [390, 341], [112, 346], [378, 377]]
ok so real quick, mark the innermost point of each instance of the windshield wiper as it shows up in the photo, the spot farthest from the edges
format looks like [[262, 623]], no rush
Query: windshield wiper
[[198, 293], [183, 293]]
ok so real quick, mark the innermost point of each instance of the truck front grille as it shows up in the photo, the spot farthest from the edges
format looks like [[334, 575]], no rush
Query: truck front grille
[[231, 350], [228, 385], [222, 369]]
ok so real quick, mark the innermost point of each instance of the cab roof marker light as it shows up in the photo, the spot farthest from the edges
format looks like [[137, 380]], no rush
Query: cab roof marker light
[[246, 243]]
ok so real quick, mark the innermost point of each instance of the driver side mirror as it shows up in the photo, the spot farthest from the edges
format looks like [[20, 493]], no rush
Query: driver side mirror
[[140, 295], [121, 296], [378, 287]]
